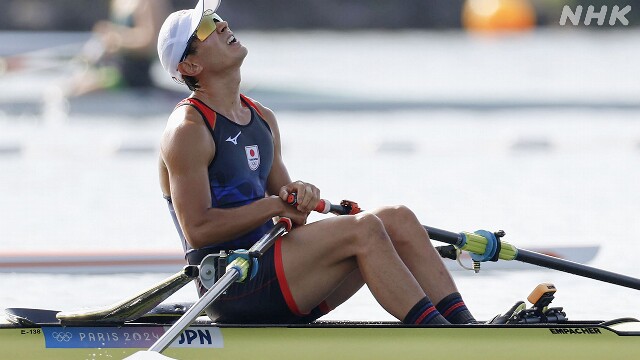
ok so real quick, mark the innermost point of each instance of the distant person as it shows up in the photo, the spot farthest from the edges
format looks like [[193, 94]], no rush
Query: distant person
[[223, 175], [122, 49]]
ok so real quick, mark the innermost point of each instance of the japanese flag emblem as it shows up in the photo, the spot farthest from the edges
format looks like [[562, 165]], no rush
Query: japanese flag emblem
[[253, 156]]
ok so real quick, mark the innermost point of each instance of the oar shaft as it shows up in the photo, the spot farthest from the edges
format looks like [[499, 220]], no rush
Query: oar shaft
[[550, 262], [261, 246], [235, 272], [185, 320], [513, 253], [444, 235]]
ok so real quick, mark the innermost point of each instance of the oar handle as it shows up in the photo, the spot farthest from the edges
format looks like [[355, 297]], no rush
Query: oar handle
[[346, 207]]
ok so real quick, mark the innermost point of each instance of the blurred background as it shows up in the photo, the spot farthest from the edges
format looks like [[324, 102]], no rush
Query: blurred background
[[476, 113], [73, 15], [463, 53]]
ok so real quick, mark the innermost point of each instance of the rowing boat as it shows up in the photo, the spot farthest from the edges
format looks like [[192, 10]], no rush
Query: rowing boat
[[141, 322], [48, 334], [155, 261], [329, 340]]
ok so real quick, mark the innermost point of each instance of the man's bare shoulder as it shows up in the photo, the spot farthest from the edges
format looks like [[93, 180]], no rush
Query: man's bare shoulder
[[186, 130], [184, 117], [267, 113], [184, 121]]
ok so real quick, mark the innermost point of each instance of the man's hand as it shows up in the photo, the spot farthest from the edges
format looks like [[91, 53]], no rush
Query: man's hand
[[308, 196], [298, 218]]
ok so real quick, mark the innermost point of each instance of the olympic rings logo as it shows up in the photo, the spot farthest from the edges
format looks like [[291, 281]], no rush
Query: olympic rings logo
[[62, 336]]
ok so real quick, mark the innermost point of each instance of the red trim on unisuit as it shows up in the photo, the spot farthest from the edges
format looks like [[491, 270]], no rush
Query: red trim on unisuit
[[209, 114], [324, 307], [282, 280], [250, 102]]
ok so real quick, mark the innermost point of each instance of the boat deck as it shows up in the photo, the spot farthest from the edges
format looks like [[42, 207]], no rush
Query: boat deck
[[336, 340]]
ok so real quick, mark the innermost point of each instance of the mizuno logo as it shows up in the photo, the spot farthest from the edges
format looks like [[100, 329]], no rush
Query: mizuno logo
[[234, 140]]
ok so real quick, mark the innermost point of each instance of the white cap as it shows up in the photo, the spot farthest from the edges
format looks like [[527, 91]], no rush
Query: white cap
[[176, 32]]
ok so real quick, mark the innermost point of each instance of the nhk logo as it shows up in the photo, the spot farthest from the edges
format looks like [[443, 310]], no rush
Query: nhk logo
[[616, 15]]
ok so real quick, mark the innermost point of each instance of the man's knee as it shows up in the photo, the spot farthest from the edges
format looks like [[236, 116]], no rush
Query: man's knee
[[368, 230], [397, 219], [369, 223], [396, 216]]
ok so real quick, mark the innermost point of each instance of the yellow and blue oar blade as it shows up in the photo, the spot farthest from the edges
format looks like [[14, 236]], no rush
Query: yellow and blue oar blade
[[474, 244]]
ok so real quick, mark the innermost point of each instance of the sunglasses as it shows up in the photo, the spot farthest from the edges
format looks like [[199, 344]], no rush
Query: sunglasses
[[208, 24]]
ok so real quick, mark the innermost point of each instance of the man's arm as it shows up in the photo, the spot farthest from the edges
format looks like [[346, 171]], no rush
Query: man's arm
[[187, 149], [279, 182]]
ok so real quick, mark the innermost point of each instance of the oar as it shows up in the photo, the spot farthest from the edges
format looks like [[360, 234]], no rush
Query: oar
[[237, 270], [478, 244], [134, 307], [488, 247]]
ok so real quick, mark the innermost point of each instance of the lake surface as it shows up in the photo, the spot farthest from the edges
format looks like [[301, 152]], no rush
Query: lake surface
[[547, 175]]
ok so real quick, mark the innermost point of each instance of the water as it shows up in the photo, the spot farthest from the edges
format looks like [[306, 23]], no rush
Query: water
[[545, 175]]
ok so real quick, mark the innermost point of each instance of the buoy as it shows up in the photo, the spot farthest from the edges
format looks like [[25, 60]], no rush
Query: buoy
[[498, 15]]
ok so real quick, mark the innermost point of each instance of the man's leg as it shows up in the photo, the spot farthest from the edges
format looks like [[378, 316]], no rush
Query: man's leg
[[351, 284], [412, 243], [318, 257]]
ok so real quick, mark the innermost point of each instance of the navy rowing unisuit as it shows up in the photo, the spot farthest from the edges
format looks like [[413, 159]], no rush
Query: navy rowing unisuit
[[238, 172]]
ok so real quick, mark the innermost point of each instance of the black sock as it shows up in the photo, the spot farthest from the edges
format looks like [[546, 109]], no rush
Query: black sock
[[453, 308], [423, 312]]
